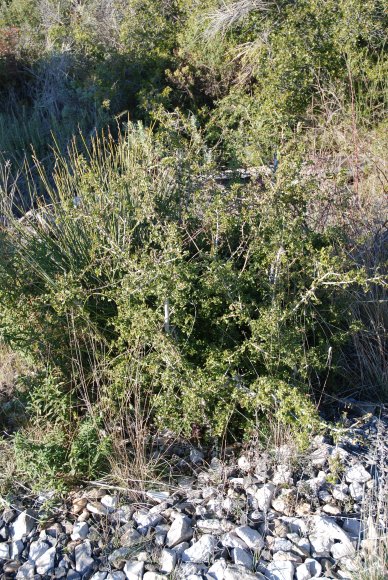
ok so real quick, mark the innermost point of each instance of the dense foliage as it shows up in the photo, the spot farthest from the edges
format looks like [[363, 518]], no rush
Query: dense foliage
[[204, 247]]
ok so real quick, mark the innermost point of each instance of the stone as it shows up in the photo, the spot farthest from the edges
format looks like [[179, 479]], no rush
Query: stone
[[200, 551], [251, 537], [357, 474], [180, 531], [118, 557], [99, 576], [309, 569], [232, 540], [37, 549], [80, 531], [46, 562], [244, 463], [116, 575], [83, 559], [264, 496], [242, 558], [123, 514], [167, 561], [130, 537], [331, 509], [8, 515], [287, 556], [16, 549], [23, 525], [4, 551], [281, 545], [10, 568], [134, 570], [110, 502], [97, 509], [196, 456], [280, 571], [328, 528], [340, 491], [26, 571], [320, 545], [73, 575], [79, 504], [154, 576], [159, 496], [213, 526], [217, 570], [233, 572], [340, 550], [356, 491], [282, 475]]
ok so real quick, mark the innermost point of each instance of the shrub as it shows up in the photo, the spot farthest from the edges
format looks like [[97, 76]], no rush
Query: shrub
[[230, 308]]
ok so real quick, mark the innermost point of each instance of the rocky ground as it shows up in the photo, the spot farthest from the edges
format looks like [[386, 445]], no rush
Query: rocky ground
[[275, 516]]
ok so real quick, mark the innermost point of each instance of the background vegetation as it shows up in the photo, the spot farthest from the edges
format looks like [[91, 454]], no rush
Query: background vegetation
[[193, 221]]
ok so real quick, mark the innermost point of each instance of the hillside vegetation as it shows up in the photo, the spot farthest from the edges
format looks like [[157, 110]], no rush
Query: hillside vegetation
[[193, 222]]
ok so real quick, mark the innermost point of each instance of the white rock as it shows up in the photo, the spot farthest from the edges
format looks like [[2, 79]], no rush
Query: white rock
[[232, 540], [26, 571], [217, 570], [356, 491], [16, 549], [251, 537], [130, 537], [167, 561], [154, 576], [23, 525], [327, 527], [242, 558], [283, 475], [99, 576], [309, 569], [357, 474], [281, 545], [180, 531], [331, 509], [287, 556], [233, 572], [158, 496], [37, 549], [134, 570], [280, 571], [97, 509], [211, 525], [200, 551], [340, 550], [340, 491], [320, 545], [264, 496], [46, 562], [244, 463], [116, 575], [83, 559], [110, 502], [80, 531], [4, 551]]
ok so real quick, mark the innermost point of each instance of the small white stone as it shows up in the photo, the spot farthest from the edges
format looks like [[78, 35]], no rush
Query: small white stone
[[200, 551], [16, 549], [109, 501], [46, 562], [167, 561], [23, 525], [4, 551], [99, 576], [116, 575], [154, 576], [244, 463], [357, 474], [340, 491], [134, 570], [232, 540], [26, 571], [340, 550], [309, 569], [280, 571], [158, 496], [251, 537], [356, 491], [217, 570], [83, 559], [80, 531], [180, 531], [264, 496], [97, 509], [242, 558]]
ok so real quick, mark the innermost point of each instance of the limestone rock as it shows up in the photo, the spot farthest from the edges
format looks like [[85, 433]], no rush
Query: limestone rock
[[200, 551]]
